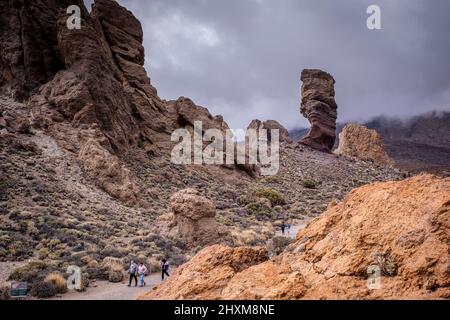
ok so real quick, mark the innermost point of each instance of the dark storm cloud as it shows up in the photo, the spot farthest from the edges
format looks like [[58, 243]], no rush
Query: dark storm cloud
[[242, 58]]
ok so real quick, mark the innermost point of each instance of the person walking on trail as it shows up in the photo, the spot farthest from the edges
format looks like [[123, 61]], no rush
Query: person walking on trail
[[133, 273], [283, 227], [142, 271], [288, 227], [164, 268]]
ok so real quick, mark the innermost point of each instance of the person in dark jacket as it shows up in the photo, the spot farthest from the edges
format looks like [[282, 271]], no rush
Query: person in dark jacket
[[133, 273], [164, 268]]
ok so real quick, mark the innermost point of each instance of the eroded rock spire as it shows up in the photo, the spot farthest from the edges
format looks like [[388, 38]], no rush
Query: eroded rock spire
[[320, 108]]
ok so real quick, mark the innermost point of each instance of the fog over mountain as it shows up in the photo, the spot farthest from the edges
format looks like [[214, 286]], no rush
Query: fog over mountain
[[242, 59]]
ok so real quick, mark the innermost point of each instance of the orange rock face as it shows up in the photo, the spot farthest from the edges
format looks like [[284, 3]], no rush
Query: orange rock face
[[205, 275], [360, 142], [400, 229], [195, 218]]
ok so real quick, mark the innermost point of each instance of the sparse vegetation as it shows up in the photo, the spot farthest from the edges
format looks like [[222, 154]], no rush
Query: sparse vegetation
[[273, 196], [29, 272], [386, 263], [5, 293], [43, 289], [259, 209], [141, 143], [310, 184]]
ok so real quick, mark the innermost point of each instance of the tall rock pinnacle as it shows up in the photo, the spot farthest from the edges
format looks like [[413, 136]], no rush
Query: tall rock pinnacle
[[319, 107]]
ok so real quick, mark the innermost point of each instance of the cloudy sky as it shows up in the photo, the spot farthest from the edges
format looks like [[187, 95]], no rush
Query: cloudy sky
[[242, 58]]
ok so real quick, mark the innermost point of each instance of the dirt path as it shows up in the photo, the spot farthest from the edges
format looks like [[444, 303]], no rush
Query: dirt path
[[295, 227], [104, 290]]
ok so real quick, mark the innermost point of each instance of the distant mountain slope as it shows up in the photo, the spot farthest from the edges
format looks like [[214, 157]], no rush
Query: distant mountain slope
[[421, 143], [430, 128]]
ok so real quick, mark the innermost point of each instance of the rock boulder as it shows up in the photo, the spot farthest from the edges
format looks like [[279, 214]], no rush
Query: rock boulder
[[194, 216], [269, 125], [205, 275], [360, 142]]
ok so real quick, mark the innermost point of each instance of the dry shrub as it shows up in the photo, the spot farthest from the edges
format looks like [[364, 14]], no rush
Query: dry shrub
[[42, 289], [115, 268], [58, 281]]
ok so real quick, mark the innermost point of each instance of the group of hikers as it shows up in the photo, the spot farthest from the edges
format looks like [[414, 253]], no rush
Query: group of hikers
[[142, 270], [286, 227]]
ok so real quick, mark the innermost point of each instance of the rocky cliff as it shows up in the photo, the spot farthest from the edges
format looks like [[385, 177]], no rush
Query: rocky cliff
[[88, 88], [399, 229]]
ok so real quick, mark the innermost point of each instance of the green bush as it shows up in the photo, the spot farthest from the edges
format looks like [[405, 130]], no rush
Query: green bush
[[310, 183], [273, 196], [244, 200], [29, 272], [259, 209]]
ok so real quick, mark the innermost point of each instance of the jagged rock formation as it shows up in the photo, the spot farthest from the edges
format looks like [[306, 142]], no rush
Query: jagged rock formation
[[194, 217], [29, 54], [213, 267], [85, 150], [319, 107], [90, 79], [269, 125], [358, 141], [399, 228]]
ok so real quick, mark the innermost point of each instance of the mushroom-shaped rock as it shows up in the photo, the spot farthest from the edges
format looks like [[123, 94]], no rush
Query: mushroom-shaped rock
[[195, 217]]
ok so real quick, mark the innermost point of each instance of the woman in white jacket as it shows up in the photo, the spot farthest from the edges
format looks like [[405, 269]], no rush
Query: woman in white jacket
[[142, 271]]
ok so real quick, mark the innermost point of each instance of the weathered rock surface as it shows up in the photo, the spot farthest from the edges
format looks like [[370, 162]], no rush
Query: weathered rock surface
[[205, 276], [270, 125], [320, 108], [108, 171], [93, 76], [360, 142], [29, 54], [402, 228], [195, 218]]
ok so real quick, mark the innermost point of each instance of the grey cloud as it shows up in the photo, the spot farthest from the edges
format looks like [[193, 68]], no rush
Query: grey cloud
[[242, 58]]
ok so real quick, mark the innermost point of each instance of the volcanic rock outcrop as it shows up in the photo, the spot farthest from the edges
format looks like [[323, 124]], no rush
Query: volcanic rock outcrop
[[360, 142], [92, 79], [194, 217], [270, 125], [399, 229], [29, 53], [319, 107]]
